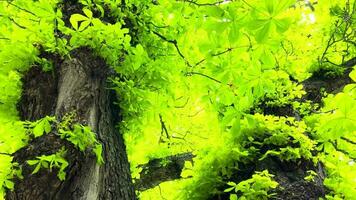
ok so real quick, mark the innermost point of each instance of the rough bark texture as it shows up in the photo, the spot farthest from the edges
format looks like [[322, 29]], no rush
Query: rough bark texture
[[160, 170], [82, 89], [331, 84]]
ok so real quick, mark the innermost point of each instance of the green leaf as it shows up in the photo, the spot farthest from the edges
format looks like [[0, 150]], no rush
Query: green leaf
[[282, 25], [98, 149], [32, 162], [270, 4], [281, 6], [229, 189], [88, 13], [101, 9], [231, 183], [233, 197], [38, 129], [83, 25], [37, 168], [61, 175], [234, 33], [264, 32], [47, 126], [9, 184], [75, 19], [353, 75]]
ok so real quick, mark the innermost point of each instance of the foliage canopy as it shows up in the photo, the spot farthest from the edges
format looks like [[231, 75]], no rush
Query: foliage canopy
[[196, 76]]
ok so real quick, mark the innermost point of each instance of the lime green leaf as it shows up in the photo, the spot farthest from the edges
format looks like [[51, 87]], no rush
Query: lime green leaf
[[353, 75], [229, 189], [88, 13], [282, 25], [32, 162], [9, 184], [75, 19], [83, 25], [37, 168], [98, 149], [38, 129], [231, 183], [264, 32], [101, 9], [47, 126]]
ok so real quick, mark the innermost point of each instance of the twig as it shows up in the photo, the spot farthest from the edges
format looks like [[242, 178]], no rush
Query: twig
[[200, 74], [182, 106], [348, 140], [163, 127], [23, 9], [17, 24], [205, 4], [6, 154], [221, 53], [217, 54], [175, 43], [341, 150]]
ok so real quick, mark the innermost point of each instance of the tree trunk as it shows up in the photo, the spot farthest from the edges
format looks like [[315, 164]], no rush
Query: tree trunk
[[78, 85]]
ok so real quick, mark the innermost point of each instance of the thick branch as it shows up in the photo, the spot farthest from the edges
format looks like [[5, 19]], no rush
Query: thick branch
[[331, 85], [160, 170]]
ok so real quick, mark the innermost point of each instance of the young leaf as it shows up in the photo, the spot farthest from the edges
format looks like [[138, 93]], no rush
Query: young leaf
[[32, 162], [37, 168], [88, 13], [75, 19]]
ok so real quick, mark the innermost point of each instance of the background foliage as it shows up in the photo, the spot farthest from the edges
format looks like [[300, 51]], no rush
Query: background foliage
[[196, 76]]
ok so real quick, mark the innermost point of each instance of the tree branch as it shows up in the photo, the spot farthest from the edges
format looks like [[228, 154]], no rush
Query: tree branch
[[163, 128], [341, 150], [160, 170], [350, 63], [221, 53], [175, 43], [200, 74], [348, 140], [18, 7], [205, 4], [6, 154]]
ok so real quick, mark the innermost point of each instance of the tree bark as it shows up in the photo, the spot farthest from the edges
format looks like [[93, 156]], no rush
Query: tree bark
[[160, 170], [82, 89]]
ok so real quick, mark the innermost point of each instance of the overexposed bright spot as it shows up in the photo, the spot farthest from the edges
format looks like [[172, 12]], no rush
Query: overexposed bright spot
[[171, 16], [312, 18], [308, 18]]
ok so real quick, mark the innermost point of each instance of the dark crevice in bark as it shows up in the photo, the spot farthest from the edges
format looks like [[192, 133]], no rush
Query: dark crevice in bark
[[160, 170], [39, 94]]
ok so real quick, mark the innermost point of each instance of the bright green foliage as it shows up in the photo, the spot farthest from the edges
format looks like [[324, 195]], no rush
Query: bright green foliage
[[311, 175], [83, 138], [41, 126], [256, 187], [205, 70], [49, 162], [8, 171], [334, 128]]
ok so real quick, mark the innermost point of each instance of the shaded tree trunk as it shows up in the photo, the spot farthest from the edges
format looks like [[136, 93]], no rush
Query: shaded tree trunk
[[78, 85]]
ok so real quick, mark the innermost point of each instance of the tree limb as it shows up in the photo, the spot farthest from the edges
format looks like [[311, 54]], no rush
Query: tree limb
[[160, 170]]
